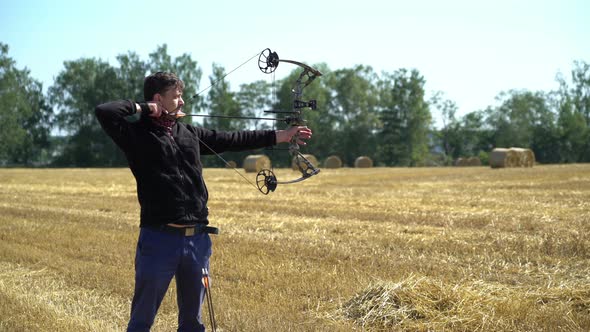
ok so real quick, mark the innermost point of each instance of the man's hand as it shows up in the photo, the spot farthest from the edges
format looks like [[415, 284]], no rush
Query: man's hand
[[157, 110], [300, 132]]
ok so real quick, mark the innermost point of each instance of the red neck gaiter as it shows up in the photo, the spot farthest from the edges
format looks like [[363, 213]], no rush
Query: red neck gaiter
[[164, 122]]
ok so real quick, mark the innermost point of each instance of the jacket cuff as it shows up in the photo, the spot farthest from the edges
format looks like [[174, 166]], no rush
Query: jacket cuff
[[145, 109], [135, 116]]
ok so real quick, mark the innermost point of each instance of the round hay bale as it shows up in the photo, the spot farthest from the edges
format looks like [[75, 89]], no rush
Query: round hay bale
[[312, 159], [256, 163], [526, 157], [473, 161], [363, 162], [513, 157], [460, 162], [500, 157], [531, 160], [231, 164], [333, 162]]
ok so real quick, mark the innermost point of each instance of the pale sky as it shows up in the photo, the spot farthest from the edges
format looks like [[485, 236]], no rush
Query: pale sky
[[470, 50]]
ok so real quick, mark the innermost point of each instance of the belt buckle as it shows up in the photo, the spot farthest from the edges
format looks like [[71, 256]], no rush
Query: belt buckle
[[189, 231]]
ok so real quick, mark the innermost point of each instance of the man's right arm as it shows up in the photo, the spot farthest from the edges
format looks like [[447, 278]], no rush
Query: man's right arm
[[115, 117]]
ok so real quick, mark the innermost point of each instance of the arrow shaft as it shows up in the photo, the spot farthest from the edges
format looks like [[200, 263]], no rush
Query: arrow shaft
[[234, 117]]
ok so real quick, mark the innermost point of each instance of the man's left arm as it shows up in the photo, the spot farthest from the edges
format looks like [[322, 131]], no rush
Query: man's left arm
[[219, 141]]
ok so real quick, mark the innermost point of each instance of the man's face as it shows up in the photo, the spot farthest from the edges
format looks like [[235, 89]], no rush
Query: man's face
[[171, 100]]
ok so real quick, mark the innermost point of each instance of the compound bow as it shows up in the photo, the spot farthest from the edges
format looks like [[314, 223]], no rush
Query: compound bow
[[266, 180]]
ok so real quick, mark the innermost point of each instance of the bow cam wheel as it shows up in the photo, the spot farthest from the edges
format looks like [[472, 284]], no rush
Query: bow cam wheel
[[266, 181], [268, 61]]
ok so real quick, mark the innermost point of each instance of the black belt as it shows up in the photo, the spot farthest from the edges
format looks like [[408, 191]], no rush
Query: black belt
[[186, 231]]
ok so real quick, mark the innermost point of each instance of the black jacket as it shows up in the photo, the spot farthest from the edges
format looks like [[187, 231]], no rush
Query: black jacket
[[167, 166]]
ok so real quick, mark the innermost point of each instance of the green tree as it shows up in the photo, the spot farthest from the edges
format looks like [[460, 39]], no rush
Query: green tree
[[221, 101], [185, 68], [24, 115], [572, 127], [573, 134], [449, 133], [253, 99], [131, 71], [76, 91], [406, 119], [474, 136], [574, 114], [352, 111], [581, 89], [516, 117], [545, 135]]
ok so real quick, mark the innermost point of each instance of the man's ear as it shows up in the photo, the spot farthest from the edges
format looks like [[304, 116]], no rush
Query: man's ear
[[157, 97]]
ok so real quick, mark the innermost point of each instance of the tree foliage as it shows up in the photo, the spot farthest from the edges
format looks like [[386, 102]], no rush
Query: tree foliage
[[405, 117], [384, 116], [221, 101], [25, 115], [353, 107], [77, 90]]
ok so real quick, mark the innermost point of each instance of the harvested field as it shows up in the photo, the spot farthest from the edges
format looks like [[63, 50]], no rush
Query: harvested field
[[373, 249]]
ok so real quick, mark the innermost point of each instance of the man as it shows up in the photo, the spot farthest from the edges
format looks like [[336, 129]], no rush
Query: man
[[164, 156]]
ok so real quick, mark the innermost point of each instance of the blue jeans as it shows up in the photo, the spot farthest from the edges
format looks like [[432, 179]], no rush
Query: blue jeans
[[158, 258]]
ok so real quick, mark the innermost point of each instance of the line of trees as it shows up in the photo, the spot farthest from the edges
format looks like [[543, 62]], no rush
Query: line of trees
[[386, 116]]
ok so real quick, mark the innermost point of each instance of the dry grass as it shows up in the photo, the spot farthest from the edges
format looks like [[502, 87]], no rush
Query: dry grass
[[380, 249]]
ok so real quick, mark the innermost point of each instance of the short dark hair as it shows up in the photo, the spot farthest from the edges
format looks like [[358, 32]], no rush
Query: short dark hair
[[160, 82]]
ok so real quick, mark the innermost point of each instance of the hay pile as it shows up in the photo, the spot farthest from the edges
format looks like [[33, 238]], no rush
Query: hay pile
[[312, 159], [420, 304], [256, 163], [231, 164], [363, 162], [333, 162], [427, 304], [471, 161], [513, 157]]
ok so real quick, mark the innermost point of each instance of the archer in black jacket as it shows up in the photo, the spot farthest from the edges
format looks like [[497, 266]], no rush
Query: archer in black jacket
[[166, 161], [164, 156]]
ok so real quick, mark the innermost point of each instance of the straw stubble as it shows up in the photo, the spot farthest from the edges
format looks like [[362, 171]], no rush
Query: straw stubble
[[373, 249]]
